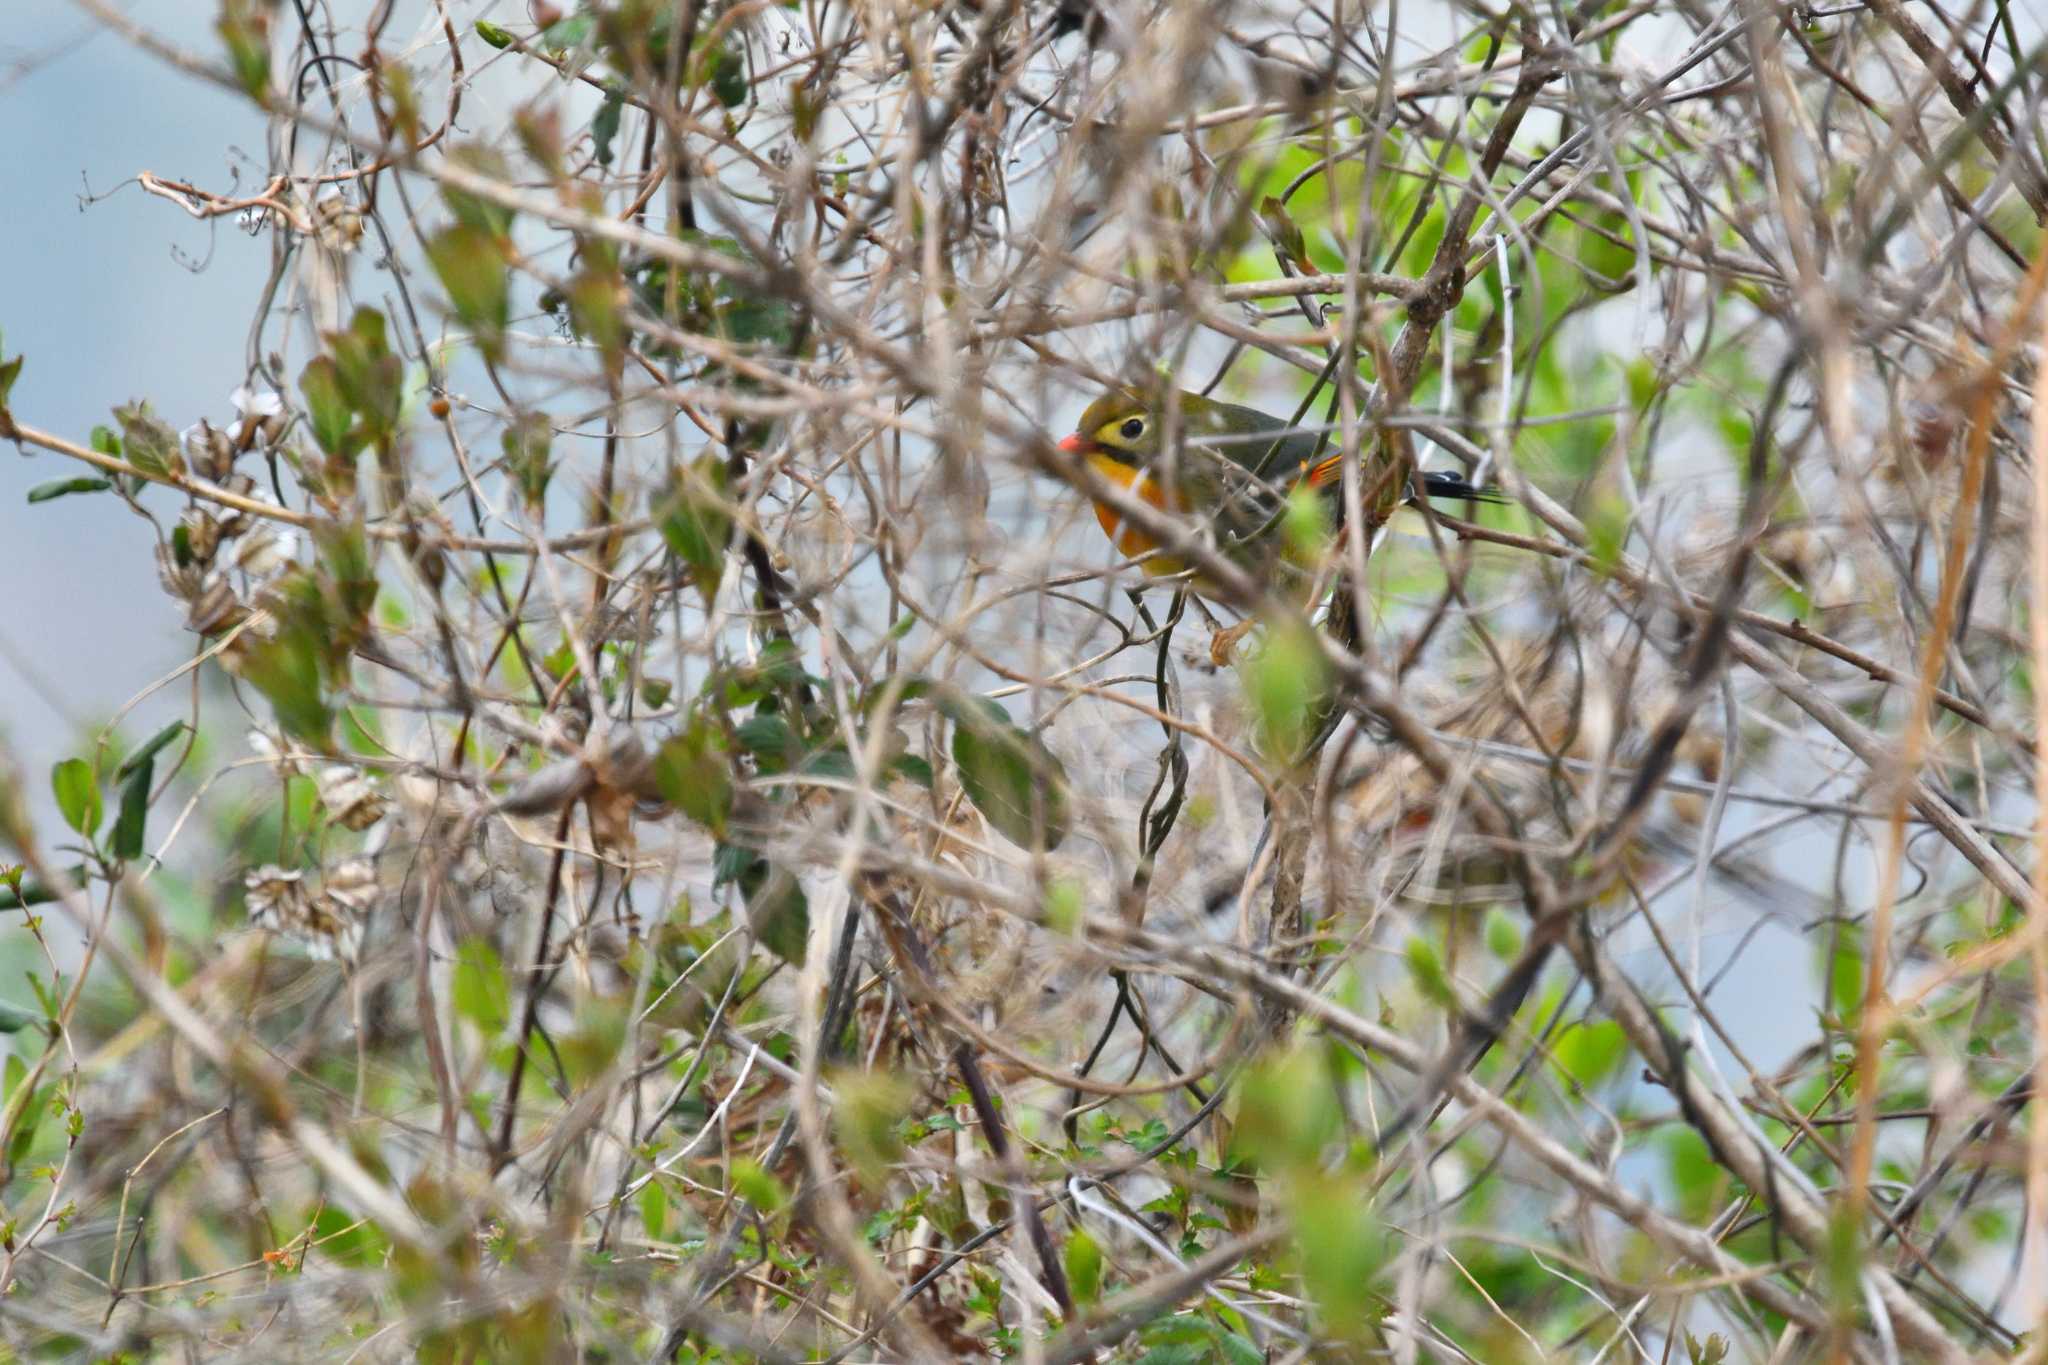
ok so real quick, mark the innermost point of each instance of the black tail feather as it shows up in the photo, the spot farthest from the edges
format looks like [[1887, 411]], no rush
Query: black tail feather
[[1443, 483]]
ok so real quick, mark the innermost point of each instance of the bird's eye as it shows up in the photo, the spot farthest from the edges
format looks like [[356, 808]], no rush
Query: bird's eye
[[1132, 429]]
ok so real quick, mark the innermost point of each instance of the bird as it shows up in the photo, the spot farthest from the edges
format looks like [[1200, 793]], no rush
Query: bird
[[1233, 467]]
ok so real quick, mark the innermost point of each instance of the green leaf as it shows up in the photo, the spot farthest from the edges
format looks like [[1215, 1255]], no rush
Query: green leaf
[[13, 1018], [778, 911], [911, 768], [78, 795], [1306, 525], [1284, 233], [758, 1187], [35, 893], [286, 670], [1084, 1267], [1287, 1111], [604, 128], [151, 445], [492, 34], [654, 1209], [752, 318], [528, 442], [868, 1117], [479, 989], [767, 738], [693, 520], [1590, 1052], [574, 31], [57, 488], [1009, 775], [1284, 681], [473, 211], [151, 747], [32, 1111], [1236, 1350], [1712, 1351], [472, 267], [10, 370], [372, 378], [130, 823], [1427, 968], [1503, 934], [245, 27], [694, 772], [594, 1041], [320, 383], [1065, 904], [725, 67], [596, 299], [1342, 1248]]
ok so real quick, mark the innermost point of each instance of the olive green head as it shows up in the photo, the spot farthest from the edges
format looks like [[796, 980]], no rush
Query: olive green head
[[1130, 426]]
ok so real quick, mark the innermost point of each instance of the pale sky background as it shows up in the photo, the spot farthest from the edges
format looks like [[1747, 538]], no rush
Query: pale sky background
[[97, 300]]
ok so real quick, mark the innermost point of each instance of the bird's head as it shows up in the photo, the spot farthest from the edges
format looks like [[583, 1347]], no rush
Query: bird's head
[[1126, 425]]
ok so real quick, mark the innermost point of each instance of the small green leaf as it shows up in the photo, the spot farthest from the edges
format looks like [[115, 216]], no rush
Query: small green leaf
[[1503, 935], [329, 410], [725, 66], [654, 1209], [912, 769], [693, 771], [868, 1117], [596, 299], [1712, 1351], [133, 818], [574, 31], [473, 211], [151, 445], [57, 488], [78, 795], [767, 738], [286, 670], [472, 267], [1284, 233], [32, 1112], [1009, 775], [372, 378], [1064, 906], [1287, 1111], [479, 989], [245, 27], [1306, 525], [1284, 681], [778, 911], [35, 893], [1428, 970], [605, 126], [1342, 1249], [528, 442], [13, 1018], [1084, 1267], [757, 1187], [693, 520], [151, 747], [492, 34], [10, 370]]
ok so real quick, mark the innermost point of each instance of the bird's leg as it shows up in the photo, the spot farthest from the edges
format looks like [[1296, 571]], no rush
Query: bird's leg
[[1223, 639], [1223, 643]]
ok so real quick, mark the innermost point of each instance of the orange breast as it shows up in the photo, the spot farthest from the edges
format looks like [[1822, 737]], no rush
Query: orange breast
[[1129, 540]]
